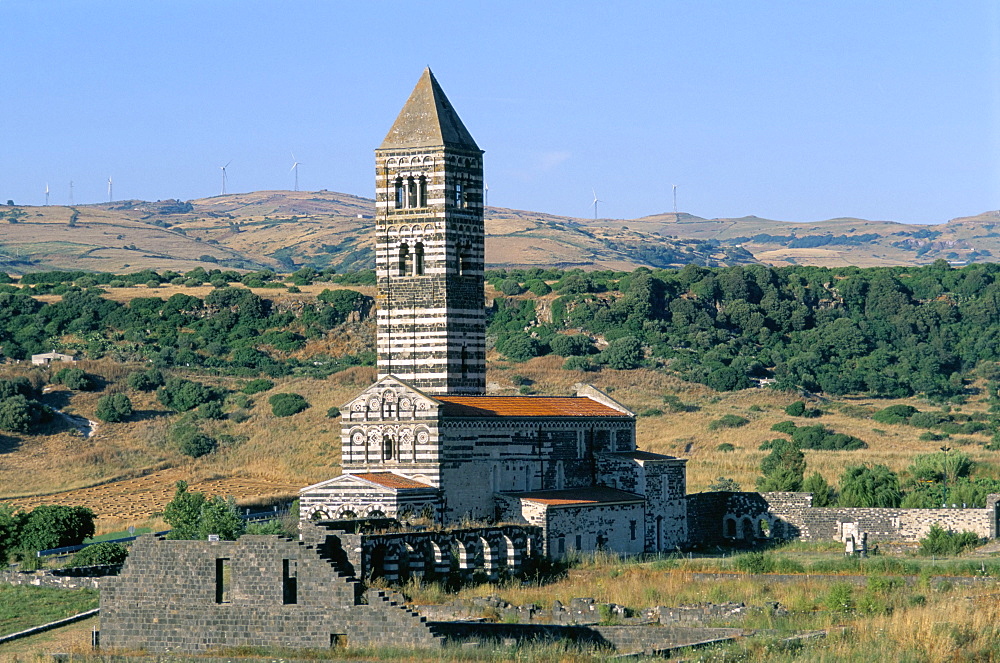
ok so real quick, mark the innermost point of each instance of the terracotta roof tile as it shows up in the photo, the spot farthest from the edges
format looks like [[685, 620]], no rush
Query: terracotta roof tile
[[579, 496], [390, 480], [525, 406]]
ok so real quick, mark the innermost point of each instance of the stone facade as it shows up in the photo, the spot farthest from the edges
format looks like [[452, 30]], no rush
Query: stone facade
[[724, 518], [259, 591], [429, 248]]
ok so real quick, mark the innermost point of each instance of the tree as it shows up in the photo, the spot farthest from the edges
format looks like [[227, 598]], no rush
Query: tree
[[519, 346], [182, 395], [220, 516], [16, 414], [285, 405], [10, 525], [51, 526], [183, 513], [724, 485], [869, 486], [105, 552], [145, 380], [624, 353], [114, 408], [783, 468], [823, 493]]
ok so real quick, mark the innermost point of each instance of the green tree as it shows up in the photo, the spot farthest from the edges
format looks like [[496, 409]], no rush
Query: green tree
[[75, 379], [114, 408], [183, 513], [220, 516], [145, 380], [519, 346], [823, 493], [10, 526], [869, 486], [624, 353], [783, 468], [724, 485], [16, 414], [51, 526], [182, 395]]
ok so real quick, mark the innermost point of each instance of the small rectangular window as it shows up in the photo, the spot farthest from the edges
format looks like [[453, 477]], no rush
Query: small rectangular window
[[562, 545], [579, 542], [632, 526], [289, 582], [223, 577]]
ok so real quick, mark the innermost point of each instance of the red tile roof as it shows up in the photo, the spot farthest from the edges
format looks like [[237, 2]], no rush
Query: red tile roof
[[525, 406], [580, 496], [390, 480]]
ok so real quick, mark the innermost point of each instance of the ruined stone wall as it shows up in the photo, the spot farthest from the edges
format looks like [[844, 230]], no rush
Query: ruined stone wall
[[716, 518], [189, 596], [617, 527]]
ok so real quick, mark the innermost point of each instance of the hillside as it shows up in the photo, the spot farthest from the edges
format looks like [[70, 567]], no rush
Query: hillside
[[284, 230]]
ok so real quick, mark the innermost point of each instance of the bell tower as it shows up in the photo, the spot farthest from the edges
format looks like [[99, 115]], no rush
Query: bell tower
[[429, 248]]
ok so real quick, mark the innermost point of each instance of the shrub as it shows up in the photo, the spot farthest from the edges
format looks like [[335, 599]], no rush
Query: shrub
[[651, 412], [191, 441], [18, 414], [943, 542], [210, 410], [728, 421], [104, 552], [114, 408], [20, 386], [145, 380], [577, 364], [796, 409], [333, 412], [285, 405], [786, 427], [823, 494], [928, 419], [538, 287], [725, 447], [183, 395], [783, 468], [840, 598], [519, 346], [569, 346], [510, 287], [874, 486], [74, 378], [895, 414], [257, 386]]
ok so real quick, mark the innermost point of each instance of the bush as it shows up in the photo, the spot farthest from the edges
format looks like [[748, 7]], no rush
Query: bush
[[285, 405], [942, 542], [74, 378], [104, 552], [728, 421], [786, 427], [510, 287], [724, 485], [210, 410], [840, 598], [192, 442], [895, 414], [725, 447], [183, 395], [519, 346], [538, 287], [570, 346], [114, 408], [333, 412], [19, 415], [577, 364], [874, 486], [145, 380], [796, 409], [823, 493], [257, 386]]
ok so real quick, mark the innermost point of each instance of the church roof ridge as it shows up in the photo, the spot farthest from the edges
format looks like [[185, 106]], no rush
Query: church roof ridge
[[428, 120], [525, 406]]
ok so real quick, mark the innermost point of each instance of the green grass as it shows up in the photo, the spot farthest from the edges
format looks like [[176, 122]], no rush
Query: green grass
[[22, 607]]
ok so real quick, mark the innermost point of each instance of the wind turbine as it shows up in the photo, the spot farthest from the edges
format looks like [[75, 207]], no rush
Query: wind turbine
[[295, 167], [596, 200], [46, 194], [224, 176], [675, 200], [110, 188], [486, 195]]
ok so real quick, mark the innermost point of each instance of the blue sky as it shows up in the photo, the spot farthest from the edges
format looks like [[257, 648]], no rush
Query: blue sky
[[798, 111]]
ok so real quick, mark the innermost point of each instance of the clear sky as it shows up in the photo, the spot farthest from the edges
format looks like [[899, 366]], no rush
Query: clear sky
[[783, 109]]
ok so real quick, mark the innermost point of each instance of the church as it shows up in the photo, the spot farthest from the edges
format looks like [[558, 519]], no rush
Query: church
[[426, 440]]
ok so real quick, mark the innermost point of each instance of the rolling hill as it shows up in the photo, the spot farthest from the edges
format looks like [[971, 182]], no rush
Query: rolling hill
[[285, 230]]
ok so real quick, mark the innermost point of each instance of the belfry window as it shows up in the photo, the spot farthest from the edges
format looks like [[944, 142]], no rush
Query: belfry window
[[418, 259], [399, 192], [459, 195], [422, 192], [388, 447], [404, 256], [411, 190]]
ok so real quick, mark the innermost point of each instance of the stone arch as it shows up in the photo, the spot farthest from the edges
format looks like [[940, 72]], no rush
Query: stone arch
[[729, 526], [464, 558], [375, 512], [441, 559], [346, 514], [511, 556], [377, 561], [763, 526], [319, 514]]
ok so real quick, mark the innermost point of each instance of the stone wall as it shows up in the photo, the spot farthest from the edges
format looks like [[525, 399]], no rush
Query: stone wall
[[721, 518], [190, 596]]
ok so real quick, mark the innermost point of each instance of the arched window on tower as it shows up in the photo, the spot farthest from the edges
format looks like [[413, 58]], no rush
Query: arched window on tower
[[459, 195], [422, 192], [418, 259], [411, 190], [399, 192], [388, 447], [404, 256]]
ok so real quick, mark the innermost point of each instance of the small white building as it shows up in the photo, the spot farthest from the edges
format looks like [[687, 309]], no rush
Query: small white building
[[47, 358]]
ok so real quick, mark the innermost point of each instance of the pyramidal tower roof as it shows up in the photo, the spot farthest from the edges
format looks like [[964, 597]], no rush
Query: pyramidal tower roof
[[428, 120]]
